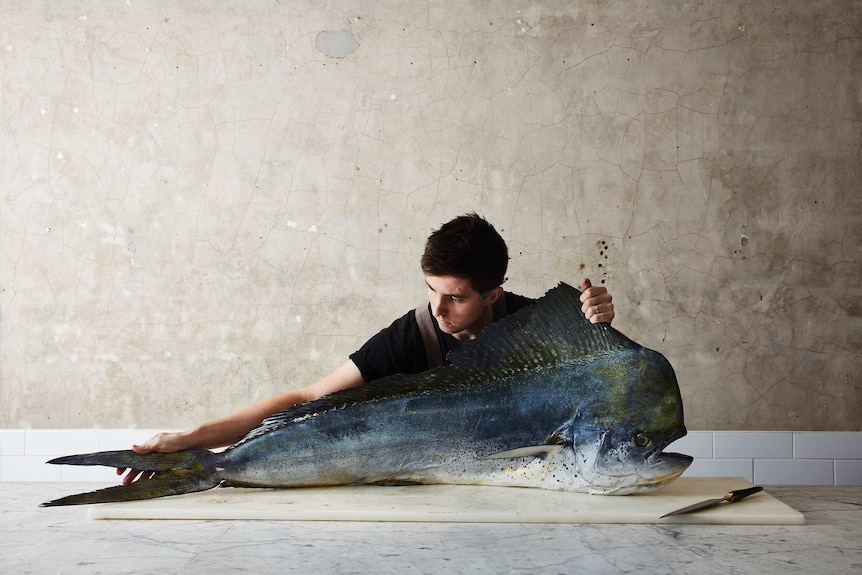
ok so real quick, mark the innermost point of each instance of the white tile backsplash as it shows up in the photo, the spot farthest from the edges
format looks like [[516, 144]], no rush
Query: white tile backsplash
[[28, 468], [753, 444], [721, 468], [848, 472], [96, 473], [827, 445], [764, 457], [698, 444], [53, 442], [794, 472], [11, 442], [124, 438]]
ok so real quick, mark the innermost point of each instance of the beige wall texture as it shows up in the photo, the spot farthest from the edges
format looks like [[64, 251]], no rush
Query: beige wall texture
[[204, 203]]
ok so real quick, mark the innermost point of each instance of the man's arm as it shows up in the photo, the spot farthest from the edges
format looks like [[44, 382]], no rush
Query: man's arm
[[230, 429]]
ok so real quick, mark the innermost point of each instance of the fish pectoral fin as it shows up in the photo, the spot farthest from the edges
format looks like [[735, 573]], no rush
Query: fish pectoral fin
[[528, 451]]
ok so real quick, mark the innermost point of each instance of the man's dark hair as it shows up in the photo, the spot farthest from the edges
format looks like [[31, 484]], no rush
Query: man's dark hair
[[467, 247]]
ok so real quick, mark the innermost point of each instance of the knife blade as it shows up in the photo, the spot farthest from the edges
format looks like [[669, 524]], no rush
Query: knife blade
[[729, 497]]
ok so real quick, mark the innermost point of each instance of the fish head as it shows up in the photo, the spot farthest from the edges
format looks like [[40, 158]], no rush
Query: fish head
[[620, 430]]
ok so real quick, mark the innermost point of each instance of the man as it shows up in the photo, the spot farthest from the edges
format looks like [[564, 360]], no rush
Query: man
[[465, 265]]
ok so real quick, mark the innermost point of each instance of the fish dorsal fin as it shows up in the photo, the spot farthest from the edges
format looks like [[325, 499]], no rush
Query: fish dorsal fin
[[551, 331]]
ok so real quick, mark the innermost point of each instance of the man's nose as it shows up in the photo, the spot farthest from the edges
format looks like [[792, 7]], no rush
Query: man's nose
[[438, 305]]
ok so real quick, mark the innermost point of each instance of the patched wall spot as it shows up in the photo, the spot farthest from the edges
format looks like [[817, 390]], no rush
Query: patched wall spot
[[336, 43]]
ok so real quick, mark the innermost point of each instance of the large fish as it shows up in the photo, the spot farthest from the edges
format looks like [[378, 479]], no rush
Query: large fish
[[540, 399]]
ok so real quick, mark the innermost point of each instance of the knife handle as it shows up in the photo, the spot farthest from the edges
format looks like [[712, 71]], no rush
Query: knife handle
[[739, 494]]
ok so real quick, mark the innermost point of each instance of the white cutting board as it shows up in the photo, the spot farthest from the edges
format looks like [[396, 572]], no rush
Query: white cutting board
[[462, 504]]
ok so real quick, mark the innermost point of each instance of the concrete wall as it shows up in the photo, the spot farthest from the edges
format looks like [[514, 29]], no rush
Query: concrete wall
[[204, 203]]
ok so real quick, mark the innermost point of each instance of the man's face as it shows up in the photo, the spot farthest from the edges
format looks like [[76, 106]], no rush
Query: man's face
[[458, 308]]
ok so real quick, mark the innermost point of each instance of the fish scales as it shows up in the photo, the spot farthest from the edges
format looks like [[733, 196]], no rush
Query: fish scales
[[404, 438], [542, 398]]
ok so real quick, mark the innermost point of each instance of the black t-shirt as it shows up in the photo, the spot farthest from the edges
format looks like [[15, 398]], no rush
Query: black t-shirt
[[399, 347]]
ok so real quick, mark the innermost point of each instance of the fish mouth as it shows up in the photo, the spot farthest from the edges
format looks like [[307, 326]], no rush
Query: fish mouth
[[676, 459], [658, 456], [639, 472], [663, 468], [674, 463], [659, 467]]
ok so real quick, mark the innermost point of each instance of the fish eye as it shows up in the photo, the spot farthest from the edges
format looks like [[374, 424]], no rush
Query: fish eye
[[642, 440]]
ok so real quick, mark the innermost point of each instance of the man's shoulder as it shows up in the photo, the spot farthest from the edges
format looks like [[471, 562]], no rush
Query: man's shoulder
[[514, 302]]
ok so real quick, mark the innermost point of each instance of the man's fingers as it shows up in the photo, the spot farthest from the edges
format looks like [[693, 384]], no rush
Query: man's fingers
[[597, 303]]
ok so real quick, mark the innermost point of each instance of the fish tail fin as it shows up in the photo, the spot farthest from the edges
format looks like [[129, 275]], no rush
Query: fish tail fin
[[175, 473]]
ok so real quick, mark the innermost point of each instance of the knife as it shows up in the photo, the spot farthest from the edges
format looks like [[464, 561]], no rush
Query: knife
[[729, 497]]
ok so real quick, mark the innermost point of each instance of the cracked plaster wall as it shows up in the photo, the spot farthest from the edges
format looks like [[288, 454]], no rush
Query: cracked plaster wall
[[200, 207]]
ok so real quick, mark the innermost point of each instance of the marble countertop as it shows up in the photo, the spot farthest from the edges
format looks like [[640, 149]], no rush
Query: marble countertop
[[63, 540]]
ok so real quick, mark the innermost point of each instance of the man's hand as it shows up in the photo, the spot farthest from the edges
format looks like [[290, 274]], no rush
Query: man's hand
[[160, 443], [598, 305]]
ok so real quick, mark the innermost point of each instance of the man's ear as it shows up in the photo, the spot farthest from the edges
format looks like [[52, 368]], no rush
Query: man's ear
[[494, 295]]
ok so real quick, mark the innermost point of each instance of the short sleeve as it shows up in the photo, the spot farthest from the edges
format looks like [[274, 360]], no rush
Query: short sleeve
[[395, 349]]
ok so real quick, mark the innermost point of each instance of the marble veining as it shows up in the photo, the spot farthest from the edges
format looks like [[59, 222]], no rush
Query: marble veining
[[63, 540]]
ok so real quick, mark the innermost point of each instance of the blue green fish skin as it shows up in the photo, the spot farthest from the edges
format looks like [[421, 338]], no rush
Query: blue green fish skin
[[540, 399], [448, 436]]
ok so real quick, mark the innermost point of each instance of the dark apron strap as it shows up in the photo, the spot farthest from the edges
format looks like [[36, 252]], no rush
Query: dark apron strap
[[429, 336]]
